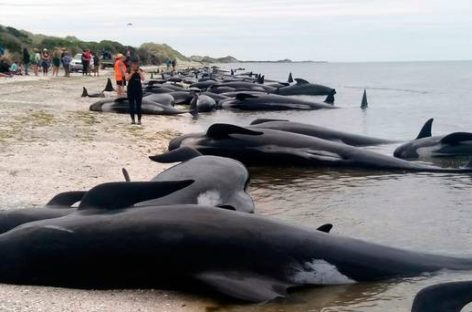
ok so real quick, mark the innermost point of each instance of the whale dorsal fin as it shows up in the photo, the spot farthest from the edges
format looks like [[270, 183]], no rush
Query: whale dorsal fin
[[221, 131], [244, 286], [329, 99], [84, 92], [326, 228], [243, 96], [425, 132], [66, 199], [183, 153], [264, 120], [290, 78], [364, 103], [109, 86], [456, 138], [119, 195], [301, 81], [125, 174]]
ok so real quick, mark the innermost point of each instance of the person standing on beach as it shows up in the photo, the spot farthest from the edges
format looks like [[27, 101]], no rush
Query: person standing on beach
[[135, 90], [26, 60], [45, 61], [56, 63], [96, 65], [120, 70], [35, 60], [86, 57], [66, 59], [174, 65]]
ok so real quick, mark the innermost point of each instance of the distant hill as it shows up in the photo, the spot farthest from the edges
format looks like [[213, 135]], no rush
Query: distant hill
[[149, 53]]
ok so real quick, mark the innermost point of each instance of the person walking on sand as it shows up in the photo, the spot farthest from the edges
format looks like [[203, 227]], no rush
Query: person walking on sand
[[66, 60], [35, 61], [45, 61], [120, 70], [135, 90], [26, 60], [56, 63]]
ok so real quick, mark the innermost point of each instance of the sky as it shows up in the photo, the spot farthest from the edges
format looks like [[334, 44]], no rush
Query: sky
[[329, 30]]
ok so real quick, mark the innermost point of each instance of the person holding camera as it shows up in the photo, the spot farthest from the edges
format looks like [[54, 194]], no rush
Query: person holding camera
[[135, 90]]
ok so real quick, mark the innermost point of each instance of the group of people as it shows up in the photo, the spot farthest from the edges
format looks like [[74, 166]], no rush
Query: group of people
[[90, 63]]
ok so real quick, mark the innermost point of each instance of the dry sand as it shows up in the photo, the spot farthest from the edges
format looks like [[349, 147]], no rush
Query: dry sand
[[50, 143]]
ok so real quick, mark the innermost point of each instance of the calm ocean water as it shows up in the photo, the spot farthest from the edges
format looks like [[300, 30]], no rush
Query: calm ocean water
[[428, 212]]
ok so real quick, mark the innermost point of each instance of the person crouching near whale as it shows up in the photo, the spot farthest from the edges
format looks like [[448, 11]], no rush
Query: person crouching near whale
[[120, 70], [134, 77]]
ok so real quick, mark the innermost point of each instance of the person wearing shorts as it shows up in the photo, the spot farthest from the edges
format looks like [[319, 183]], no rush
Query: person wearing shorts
[[45, 61], [120, 70]]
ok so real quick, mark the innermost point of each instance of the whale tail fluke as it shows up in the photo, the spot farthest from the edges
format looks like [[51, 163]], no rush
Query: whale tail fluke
[[329, 99], [426, 131], [84, 92], [364, 103], [109, 86]]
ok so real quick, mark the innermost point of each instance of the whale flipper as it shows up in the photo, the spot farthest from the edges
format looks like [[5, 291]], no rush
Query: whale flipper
[[65, 199], [180, 154], [243, 286], [126, 175], [221, 131], [119, 195], [264, 120], [326, 228], [446, 297], [425, 132], [84, 92], [457, 138]]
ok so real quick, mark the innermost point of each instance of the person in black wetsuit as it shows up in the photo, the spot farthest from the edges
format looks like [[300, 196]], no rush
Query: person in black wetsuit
[[135, 90]]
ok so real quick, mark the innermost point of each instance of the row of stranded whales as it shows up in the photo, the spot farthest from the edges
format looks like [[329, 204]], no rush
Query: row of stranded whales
[[266, 147], [240, 255]]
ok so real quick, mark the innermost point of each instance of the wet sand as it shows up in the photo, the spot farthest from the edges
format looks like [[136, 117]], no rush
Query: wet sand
[[50, 143]]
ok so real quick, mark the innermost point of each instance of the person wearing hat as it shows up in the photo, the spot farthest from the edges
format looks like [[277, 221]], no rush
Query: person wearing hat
[[120, 70], [134, 77]]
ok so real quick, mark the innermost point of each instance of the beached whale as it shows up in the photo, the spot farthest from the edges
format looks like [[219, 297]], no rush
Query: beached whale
[[120, 105], [445, 297], [256, 146], [426, 145], [303, 87], [160, 98], [218, 181], [62, 204], [319, 132], [240, 255], [240, 86], [270, 102]]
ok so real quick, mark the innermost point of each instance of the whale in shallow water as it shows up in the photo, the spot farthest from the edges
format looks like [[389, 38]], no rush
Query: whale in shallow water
[[240, 255], [426, 145], [319, 132], [445, 297], [256, 146], [270, 102], [303, 87]]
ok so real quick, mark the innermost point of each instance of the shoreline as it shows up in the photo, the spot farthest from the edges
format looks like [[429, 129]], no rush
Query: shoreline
[[49, 143]]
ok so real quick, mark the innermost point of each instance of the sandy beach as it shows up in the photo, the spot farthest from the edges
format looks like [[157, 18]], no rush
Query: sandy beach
[[50, 143]]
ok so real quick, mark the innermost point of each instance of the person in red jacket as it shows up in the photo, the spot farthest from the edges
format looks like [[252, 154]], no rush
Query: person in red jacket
[[86, 58]]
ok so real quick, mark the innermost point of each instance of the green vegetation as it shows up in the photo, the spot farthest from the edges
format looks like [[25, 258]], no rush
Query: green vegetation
[[14, 40]]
